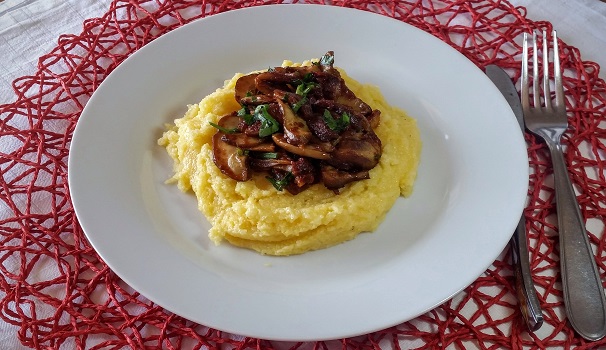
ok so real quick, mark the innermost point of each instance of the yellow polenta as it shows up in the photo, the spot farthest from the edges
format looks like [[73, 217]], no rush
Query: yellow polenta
[[254, 215]]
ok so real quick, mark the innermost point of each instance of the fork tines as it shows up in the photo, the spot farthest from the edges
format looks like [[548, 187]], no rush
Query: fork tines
[[548, 102]]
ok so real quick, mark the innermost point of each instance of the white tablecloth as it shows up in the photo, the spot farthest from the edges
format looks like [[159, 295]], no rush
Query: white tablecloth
[[30, 28]]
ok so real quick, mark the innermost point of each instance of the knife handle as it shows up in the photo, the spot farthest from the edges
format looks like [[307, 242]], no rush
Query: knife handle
[[527, 295]]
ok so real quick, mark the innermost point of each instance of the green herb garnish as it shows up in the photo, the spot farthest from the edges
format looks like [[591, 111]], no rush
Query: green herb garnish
[[297, 106], [225, 130], [334, 124], [308, 77], [304, 88], [280, 184], [327, 60], [248, 118], [267, 155], [268, 124]]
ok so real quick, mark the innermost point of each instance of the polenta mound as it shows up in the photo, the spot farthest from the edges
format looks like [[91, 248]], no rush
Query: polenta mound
[[254, 215]]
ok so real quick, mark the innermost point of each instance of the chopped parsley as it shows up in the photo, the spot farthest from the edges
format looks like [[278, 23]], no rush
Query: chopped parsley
[[297, 106], [327, 60], [304, 87], [267, 155], [268, 124], [336, 124], [225, 130], [248, 118], [281, 183]]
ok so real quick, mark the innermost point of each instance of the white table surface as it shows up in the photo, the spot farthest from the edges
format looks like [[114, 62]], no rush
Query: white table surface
[[30, 28]]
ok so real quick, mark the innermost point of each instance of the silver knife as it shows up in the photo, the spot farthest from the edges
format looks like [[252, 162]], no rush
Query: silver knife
[[527, 295]]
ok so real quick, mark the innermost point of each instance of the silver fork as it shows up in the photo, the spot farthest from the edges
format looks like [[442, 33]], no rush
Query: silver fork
[[583, 292]]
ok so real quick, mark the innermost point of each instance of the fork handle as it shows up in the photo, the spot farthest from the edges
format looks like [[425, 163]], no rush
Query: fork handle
[[583, 292]]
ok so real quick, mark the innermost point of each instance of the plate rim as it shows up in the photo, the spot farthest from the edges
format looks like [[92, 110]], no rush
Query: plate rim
[[73, 176]]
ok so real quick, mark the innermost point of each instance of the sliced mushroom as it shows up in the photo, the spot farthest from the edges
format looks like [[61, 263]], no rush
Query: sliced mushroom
[[237, 138], [230, 121], [268, 164], [334, 178], [242, 140], [230, 159], [340, 107], [264, 147], [255, 100], [286, 96], [245, 86], [304, 172], [374, 118], [348, 98], [331, 84], [302, 70], [267, 82], [252, 129], [319, 128], [308, 147], [309, 150], [295, 128], [363, 154]]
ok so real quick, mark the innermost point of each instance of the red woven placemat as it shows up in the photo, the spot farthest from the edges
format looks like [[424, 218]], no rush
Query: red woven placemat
[[60, 294]]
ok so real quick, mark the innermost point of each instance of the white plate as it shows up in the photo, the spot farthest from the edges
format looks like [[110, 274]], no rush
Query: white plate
[[468, 197]]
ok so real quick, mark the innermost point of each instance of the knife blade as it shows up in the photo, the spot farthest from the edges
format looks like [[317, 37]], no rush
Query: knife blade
[[527, 295]]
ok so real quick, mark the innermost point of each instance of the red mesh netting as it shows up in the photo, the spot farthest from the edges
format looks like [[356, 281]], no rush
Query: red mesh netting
[[91, 308]]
